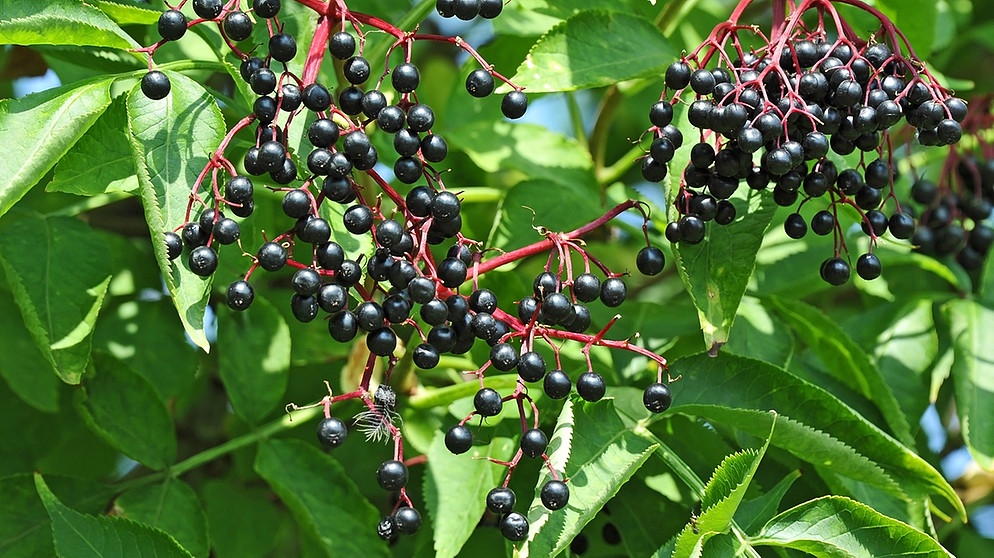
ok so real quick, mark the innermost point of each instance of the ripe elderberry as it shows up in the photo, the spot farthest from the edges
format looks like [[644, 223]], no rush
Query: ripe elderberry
[[533, 442], [172, 25], [501, 500], [407, 520], [487, 402], [514, 527], [590, 385], [392, 475], [332, 432], [240, 295], [657, 397], [555, 494], [459, 439], [155, 85], [557, 384]]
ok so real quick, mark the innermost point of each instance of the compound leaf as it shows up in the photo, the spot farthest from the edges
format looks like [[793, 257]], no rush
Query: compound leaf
[[838, 526], [600, 454], [845, 360], [254, 352], [171, 140], [59, 22], [593, 49], [722, 496], [111, 400], [101, 161], [812, 424], [28, 373], [79, 535], [973, 375], [456, 488], [171, 506], [40, 128], [58, 285], [322, 497], [25, 528], [717, 270]]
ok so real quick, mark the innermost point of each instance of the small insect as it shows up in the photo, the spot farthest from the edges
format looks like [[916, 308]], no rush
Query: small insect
[[375, 422]]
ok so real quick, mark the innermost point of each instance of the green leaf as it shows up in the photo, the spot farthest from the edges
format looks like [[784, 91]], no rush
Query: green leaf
[[845, 360], [234, 513], [456, 488], [40, 128], [254, 352], [532, 150], [594, 49], [722, 496], [920, 24], [127, 14], [79, 535], [172, 507], [837, 526], [171, 140], [813, 424], [59, 22], [148, 337], [528, 204], [759, 334], [973, 375], [25, 529], [717, 270], [322, 497], [593, 449], [101, 161], [901, 337], [753, 514], [58, 308], [124, 409], [28, 373]]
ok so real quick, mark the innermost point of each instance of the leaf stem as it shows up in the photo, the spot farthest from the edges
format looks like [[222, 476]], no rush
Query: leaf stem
[[284, 423]]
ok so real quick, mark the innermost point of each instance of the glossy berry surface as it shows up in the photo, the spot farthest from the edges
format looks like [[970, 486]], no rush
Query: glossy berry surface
[[459, 439], [514, 527], [555, 495], [172, 25], [487, 402], [533, 442], [155, 85], [500, 500], [650, 260], [557, 384], [332, 432], [657, 397], [392, 475], [590, 386]]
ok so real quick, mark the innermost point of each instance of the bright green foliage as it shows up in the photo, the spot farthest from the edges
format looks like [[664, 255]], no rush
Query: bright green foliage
[[254, 351], [314, 486], [42, 127], [170, 142], [78, 534], [973, 375], [456, 491], [61, 324], [836, 526], [580, 53], [172, 507], [599, 455]]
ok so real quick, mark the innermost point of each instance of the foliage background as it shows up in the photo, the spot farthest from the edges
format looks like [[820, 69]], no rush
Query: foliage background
[[123, 417]]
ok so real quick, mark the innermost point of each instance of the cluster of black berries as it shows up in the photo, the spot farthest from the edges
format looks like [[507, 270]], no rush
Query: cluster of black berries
[[469, 9], [407, 286], [955, 211], [775, 117]]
